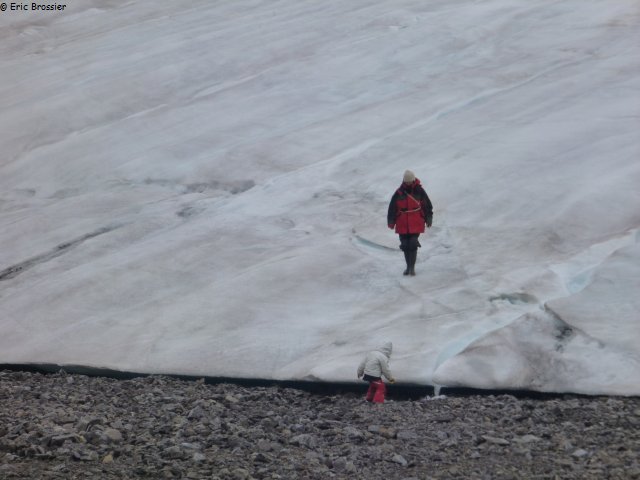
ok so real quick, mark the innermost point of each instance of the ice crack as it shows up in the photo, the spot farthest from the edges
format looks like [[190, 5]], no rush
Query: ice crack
[[15, 270]]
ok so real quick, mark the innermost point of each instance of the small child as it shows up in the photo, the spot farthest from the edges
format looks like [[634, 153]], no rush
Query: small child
[[372, 368]]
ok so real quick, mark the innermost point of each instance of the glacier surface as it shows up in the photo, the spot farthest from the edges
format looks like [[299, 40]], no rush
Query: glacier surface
[[201, 188]]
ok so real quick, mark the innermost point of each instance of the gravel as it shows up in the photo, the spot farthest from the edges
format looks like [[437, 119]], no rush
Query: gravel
[[61, 426]]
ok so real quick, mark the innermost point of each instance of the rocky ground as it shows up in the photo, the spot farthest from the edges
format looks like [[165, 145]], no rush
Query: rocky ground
[[62, 426]]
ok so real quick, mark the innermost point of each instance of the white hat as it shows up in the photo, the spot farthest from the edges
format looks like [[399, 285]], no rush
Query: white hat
[[409, 177]]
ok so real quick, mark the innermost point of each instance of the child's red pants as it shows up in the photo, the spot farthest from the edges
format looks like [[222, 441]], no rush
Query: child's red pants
[[376, 392]]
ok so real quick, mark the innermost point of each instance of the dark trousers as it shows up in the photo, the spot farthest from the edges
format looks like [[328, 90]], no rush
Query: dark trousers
[[409, 245], [409, 242]]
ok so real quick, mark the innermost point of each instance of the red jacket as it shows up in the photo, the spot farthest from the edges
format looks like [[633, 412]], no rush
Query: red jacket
[[409, 209]]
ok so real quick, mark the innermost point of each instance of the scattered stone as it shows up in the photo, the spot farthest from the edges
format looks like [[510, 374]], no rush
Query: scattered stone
[[399, 459], [160, 427], [442, 435], [350, 467], [241, 474], [196, 413], [305, 440], [264, 445], [230, 399], [495, 440], [113, 435], [173, 453], [407, 435], [198, 457], [353, 432], [59, 440], [527, 439], [340, 464], [84, 455], [443, 419], [388, 432]]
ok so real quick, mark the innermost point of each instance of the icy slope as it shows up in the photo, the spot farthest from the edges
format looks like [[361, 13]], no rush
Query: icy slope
[[202, 187]]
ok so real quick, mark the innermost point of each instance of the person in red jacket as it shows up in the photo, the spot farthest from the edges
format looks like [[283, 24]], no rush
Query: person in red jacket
[[409, 211]]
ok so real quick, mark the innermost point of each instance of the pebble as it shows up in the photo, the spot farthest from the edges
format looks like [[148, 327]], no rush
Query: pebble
[[162, 427], [113, 435], [399, 459], [495, 440], [527, 439]]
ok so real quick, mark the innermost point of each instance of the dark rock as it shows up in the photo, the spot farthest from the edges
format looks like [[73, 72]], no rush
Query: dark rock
[[174, 453], [407, 435], [305, 440], [160, 427], [495, 440], [113, 435]]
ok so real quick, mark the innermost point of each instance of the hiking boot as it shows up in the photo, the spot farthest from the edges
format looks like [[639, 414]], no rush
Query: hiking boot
[[412, 263], [407, 259]]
